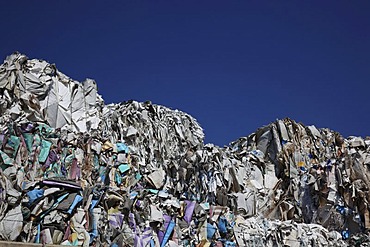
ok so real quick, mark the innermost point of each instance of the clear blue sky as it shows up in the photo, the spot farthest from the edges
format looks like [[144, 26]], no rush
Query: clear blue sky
[[233, 65]]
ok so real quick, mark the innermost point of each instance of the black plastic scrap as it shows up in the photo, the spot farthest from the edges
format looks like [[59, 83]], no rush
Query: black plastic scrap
[[75, 171]]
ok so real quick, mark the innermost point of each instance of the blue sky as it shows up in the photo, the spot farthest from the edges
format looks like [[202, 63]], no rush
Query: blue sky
[[233, 65]]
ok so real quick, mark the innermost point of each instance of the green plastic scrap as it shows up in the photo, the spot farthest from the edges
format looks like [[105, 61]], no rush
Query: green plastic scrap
[[44, 152], [45, 129], [28, 138], [54, 170], [68, 158], [6, 159], [13, 142]]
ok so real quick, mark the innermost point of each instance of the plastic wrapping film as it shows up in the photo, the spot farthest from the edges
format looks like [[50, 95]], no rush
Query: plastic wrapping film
[[77, 172]]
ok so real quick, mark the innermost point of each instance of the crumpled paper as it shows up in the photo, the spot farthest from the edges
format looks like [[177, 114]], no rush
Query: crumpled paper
[[74, 171]]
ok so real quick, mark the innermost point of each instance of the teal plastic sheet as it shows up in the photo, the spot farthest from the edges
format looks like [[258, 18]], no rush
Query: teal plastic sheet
[[28, 139], [12, 145], [44, 152], [6, 159], [123, 168], [121, 147]]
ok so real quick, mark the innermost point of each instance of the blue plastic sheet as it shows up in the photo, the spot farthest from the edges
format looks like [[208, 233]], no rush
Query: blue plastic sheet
[[77, 199], [121, 147], [34, 195], [168, 232], [222, 224], [211, 230]]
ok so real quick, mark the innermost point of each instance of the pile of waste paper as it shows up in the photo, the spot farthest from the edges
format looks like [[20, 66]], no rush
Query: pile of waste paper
[[75, 171]]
